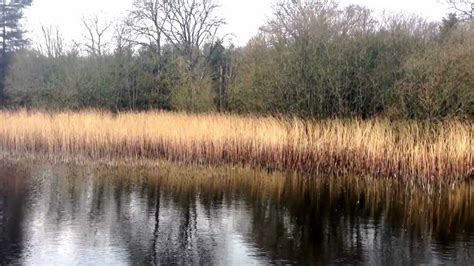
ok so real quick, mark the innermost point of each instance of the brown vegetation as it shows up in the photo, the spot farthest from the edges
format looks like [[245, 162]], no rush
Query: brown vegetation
[[412, 151]]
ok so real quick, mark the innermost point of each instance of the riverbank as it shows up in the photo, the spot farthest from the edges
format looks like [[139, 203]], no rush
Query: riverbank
[[415, 152]]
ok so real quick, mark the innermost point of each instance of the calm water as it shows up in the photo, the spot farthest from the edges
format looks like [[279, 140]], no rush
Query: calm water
[[65, 214]]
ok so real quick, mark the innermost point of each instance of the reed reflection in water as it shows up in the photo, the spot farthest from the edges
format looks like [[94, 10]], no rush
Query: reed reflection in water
[[187, 214]]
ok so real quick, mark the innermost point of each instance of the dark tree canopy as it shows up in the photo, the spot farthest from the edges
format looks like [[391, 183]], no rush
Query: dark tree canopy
[[11, 32]]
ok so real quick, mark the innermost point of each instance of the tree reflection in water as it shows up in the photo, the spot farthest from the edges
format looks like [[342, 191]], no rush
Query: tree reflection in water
[[190, 215]]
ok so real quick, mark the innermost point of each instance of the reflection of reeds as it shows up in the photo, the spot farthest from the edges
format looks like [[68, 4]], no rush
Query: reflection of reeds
[[444, 211], [416, 152]]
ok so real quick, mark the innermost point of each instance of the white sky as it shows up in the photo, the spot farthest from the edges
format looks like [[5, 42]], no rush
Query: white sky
[[243, 17]]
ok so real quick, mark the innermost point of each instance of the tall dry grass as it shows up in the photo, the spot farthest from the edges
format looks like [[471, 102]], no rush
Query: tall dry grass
[[415, 152]]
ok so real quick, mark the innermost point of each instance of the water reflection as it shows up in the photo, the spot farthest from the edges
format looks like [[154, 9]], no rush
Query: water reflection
[[94, 215]]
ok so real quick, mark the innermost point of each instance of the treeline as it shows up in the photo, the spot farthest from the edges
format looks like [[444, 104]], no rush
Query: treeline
[[313, 58]]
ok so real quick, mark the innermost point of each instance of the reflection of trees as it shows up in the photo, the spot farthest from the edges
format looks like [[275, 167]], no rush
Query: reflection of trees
[[147, 220], [340, 227], [318, 232], [12, 196], [139, 217]]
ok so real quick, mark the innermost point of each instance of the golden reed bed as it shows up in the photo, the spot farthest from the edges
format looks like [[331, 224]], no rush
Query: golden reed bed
[[415, 152]]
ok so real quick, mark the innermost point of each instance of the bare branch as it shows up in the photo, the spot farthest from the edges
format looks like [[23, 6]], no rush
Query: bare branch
[[52, 43], [146, 22], [464, 8], [191, 24], [96, 30]]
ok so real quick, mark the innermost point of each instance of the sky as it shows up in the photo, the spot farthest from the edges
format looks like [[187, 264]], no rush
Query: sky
[[243, 17]]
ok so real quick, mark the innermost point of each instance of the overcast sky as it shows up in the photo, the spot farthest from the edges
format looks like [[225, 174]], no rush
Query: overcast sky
[[243, 17]]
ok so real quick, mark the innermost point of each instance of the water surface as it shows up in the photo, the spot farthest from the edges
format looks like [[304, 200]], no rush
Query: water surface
[[71, 214]]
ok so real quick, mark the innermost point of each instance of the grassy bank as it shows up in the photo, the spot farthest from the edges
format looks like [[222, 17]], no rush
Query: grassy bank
[[416, 152]]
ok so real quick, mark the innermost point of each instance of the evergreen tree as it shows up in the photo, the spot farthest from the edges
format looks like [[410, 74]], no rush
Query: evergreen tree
[[11, 34]]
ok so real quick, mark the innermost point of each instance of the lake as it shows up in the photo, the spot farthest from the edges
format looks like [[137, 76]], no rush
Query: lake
[[176, 214]]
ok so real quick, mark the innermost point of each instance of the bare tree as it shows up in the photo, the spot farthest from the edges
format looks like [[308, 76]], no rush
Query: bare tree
[[96, 31], [185, 24], [296, 18], [147, 23], [356, 20], [192, 23], [122, 38], [52, 43], [464, 8]]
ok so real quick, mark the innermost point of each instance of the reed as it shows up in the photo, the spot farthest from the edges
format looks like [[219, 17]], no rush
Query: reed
[[415, 152]]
